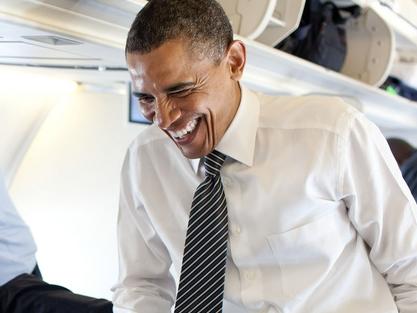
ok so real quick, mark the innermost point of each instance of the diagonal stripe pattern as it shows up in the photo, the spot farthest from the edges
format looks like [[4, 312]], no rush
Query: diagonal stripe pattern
[[204, 261]]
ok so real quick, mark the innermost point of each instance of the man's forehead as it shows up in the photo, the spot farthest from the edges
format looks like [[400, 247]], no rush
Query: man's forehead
[[133, 72], [159, 61], [172, 51], [164, 76], [166, 82], [136, 79]]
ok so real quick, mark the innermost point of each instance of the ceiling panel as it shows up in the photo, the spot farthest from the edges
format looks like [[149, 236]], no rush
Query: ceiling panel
[[24, 44], [98, 26]]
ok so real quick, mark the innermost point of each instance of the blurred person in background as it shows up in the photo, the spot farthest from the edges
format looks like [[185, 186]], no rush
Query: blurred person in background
[[17, 247], [22, 289]]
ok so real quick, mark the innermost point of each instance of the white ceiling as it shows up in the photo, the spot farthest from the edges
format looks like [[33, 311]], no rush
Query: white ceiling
[[15, 49], [68, 33]]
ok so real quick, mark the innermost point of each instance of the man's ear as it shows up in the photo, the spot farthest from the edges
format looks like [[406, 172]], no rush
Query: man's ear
[[236, 57]]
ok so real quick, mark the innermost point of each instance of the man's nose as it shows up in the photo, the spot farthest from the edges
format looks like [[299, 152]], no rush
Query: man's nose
[[166, 113]]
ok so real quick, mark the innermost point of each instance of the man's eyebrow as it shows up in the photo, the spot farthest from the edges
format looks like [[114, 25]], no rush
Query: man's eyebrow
[[139, 94], [179, 87], [170, 89]]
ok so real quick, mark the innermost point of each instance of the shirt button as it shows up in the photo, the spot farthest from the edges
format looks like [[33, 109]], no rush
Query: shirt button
[[236, 230], [227, 181], [250, 275]]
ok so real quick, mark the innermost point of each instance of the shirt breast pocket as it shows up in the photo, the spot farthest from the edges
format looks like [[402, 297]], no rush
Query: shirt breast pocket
[[307, 254]]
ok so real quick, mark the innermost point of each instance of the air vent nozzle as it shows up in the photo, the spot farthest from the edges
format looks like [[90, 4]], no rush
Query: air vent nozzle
[[53, 40]]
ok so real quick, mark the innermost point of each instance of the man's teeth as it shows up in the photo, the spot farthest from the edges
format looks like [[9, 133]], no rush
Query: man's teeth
[[186, 130]]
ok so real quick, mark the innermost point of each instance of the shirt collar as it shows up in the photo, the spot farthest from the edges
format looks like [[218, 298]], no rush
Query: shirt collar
[[195, 163], [239, 140]]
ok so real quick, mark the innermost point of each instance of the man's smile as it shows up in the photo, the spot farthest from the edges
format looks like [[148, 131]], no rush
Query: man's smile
[[181, 134]]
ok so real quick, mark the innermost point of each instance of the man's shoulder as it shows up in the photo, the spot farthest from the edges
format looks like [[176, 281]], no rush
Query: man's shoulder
[[322, 112]]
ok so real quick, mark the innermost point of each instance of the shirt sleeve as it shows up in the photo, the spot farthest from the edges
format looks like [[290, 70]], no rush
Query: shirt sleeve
[[145, 284], [381, 208]]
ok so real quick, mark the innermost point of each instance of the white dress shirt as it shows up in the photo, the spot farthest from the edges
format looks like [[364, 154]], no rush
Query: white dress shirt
[[17, 247], [320, 219]]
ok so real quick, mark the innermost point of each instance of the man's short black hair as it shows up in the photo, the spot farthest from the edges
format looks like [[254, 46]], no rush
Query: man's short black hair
[[202, 23]]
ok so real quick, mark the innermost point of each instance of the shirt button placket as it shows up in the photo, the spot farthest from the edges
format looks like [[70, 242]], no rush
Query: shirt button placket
[[250, 275], [226, 181], [235, 230], [250, 286]]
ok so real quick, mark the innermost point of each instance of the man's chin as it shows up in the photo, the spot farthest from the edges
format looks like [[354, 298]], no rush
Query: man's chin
[[193, 153]]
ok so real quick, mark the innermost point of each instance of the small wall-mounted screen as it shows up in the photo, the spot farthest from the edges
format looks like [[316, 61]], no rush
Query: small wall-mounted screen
[[135, 115]]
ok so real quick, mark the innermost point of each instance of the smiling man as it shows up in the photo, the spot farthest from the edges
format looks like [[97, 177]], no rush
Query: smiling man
[[191, 97], [239, 202]]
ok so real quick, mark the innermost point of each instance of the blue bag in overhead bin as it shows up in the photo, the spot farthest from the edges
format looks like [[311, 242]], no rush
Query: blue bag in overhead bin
[[397, 86], [321, 36]]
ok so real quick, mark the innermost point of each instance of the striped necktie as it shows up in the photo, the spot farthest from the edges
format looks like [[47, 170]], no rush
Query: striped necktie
[[204, 261]]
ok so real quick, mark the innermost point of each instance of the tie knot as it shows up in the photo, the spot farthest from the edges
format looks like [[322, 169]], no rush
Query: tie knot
[[213, 163]]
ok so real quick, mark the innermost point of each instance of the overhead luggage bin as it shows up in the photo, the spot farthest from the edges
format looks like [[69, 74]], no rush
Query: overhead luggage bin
[[104, 22], [370, 48], [266, 21]]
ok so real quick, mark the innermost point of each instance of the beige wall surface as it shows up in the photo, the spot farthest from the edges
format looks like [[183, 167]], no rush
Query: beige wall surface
[[67, 186]]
